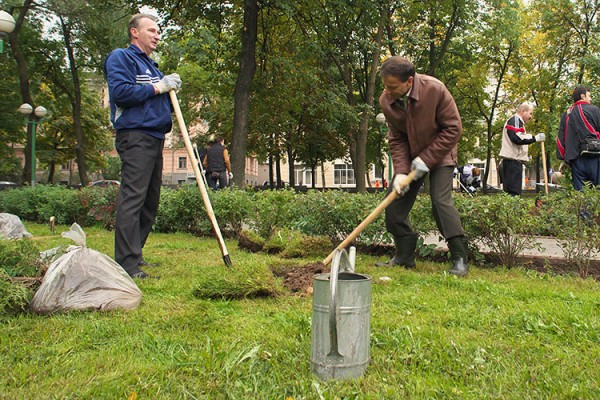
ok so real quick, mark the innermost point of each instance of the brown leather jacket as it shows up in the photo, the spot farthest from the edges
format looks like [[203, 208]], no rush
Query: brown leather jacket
[[429, 128]]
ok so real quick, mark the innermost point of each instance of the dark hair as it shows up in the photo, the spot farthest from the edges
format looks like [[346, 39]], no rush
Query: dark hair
[[134, 22], [398, 67], [579, 90], [219, 139]]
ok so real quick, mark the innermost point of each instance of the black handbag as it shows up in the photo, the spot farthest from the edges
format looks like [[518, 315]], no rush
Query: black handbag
[[590, 145]]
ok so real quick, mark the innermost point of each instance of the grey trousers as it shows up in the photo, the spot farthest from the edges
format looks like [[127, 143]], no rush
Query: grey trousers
[[139, 194], [445, 214]]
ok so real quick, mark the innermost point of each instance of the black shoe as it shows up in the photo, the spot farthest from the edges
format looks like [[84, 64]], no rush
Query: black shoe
[[394, 263], [459, 268], [140, 275], [144, 263]]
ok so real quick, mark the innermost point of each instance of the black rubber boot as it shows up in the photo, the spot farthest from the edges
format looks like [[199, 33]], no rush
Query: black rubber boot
[[459, 254], [405, 252]]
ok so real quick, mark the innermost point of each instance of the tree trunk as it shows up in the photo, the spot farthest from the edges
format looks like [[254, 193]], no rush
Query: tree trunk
[[76, 105], [363, 131], [243, 86], [24, 86]]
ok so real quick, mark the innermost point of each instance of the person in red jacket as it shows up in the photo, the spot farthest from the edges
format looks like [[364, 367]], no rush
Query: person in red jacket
[[424, 129], [578, 140]]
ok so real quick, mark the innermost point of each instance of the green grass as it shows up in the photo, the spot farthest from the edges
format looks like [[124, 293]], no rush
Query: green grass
[[497, 334]]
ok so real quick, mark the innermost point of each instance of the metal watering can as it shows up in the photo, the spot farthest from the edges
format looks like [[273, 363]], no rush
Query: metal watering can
[[341, 320]]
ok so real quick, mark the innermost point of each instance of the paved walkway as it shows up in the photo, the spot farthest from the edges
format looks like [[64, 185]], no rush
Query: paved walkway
[[550, 247]]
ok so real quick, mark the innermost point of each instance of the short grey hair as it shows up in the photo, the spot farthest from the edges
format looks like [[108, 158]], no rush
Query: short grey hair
[[523, 107], [134, 22]]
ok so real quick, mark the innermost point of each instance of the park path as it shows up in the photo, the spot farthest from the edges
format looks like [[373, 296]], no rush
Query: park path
[[549, 247]]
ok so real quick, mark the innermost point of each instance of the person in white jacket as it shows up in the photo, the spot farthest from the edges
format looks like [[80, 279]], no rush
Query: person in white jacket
[[514, 149]]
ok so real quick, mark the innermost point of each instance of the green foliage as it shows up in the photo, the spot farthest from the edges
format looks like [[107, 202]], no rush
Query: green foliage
[[99, 205], [272, 209], [574, 218], [182, 210], [232, 208], [503, 223], [20, 270], [41, 202], [112, 171]]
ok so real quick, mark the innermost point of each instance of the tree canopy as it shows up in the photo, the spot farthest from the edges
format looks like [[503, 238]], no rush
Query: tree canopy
[[297, 80]]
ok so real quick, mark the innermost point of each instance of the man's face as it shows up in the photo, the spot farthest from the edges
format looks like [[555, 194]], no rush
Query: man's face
[[587, 97], [526, 114], [146, 36], [395, 87]]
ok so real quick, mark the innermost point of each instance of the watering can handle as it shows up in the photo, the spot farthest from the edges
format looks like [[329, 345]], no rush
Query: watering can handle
[[340, 257]]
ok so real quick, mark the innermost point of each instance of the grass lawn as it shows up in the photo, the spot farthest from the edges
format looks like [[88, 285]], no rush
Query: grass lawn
[[497, 334]]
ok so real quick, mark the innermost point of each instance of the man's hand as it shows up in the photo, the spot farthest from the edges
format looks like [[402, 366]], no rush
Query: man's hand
[[168, 82], [399, 184], [231, 175], [420, 167], [540, 137]]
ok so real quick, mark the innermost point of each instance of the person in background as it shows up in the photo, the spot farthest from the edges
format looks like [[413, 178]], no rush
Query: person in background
[[424, 130], [578, 140], [218, 165], [140, 112], [470, 178], [514, 149]]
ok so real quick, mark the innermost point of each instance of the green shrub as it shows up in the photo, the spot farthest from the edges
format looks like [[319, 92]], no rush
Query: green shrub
[[20, 272], [98, 205], [182, 210], [272, 210], [501, 222], [575, 220], [61, 203], [232, 209]]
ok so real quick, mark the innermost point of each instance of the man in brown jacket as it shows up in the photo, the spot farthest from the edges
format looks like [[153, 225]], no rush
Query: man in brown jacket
[[424, 129]]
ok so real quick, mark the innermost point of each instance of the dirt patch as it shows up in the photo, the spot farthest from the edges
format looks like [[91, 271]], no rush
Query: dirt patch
[[299, 278]]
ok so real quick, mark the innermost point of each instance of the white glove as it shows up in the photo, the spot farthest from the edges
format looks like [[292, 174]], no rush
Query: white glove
[[540, 137], [168, 82], [399, 186], [419, 165], [231, 175]]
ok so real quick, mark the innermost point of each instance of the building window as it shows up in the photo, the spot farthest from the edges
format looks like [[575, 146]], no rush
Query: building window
[[303, 175], [343, 174], [182, 163]]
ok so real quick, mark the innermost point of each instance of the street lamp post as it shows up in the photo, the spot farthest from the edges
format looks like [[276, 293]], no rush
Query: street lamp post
[[7, 25], [380, 118], [34, 117]]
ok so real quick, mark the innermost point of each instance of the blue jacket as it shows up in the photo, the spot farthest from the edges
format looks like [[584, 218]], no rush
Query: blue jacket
[[130, 74]]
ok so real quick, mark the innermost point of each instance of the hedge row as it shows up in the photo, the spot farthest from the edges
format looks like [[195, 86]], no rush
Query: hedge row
[[498, 220]]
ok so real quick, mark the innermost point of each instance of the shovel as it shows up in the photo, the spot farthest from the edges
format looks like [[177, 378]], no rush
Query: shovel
[[205, 198], [371, 217]]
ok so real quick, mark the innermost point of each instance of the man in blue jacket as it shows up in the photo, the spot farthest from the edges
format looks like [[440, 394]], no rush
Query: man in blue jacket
[[140, 111]]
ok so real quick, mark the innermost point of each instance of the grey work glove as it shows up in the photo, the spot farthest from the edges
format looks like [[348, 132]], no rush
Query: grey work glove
[[540, 137], [231, 175], [419, 165], [168, 82], [399, 186]]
